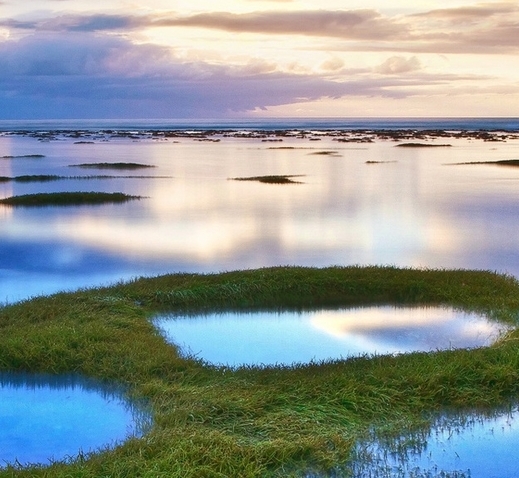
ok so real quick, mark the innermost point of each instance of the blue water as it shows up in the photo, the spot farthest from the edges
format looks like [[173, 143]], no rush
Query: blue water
[[45, 418], [466, 446], [497, 124], [288, 337]]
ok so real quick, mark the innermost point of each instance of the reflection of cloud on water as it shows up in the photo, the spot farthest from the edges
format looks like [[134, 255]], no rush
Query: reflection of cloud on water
[[201, 239], [406, 328]]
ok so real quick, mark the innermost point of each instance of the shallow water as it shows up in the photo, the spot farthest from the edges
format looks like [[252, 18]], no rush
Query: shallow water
[[47, 418], [269, 338], [471, 446], [414, 207]]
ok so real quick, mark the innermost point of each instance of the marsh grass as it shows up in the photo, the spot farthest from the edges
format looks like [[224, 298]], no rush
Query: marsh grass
[[126, 166], [49, 177], [502, 162], [325, 153], [66, 199], [214, 421], [29, 156], [272, 179], [423, 145]]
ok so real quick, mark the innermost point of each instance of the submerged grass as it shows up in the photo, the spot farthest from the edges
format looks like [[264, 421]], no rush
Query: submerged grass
[[274, 421], [66, 199]]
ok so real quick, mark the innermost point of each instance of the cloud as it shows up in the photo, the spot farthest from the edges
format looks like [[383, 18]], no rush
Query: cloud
[[84, 75], [398, 65], [481, 28], [80, 23], [89, 76], [469, 14], [354, 24], [332, 64]]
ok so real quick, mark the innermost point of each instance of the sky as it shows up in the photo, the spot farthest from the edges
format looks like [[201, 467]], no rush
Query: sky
[[206, 59]]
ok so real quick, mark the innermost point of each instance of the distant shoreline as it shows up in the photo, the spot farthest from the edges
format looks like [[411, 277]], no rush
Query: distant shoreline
[[509, 124], [408, 137]]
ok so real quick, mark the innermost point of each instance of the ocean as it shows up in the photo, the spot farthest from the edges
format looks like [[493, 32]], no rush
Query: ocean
[[350, 194]]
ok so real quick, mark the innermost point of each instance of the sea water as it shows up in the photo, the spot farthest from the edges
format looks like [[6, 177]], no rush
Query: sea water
[[352, 203]]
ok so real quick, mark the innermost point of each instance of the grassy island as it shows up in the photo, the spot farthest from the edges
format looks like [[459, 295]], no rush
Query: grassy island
[[423, 145], [123, 166], [502, 162], [272, 179], [214, 421], [66, 199], [33, 156]]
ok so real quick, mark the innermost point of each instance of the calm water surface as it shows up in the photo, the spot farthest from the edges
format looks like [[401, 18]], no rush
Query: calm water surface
[[270, 338], [414, 207], [472, 446], [46, 418]]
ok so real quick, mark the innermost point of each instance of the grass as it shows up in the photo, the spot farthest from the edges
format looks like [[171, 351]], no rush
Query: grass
[[51, 177], [258, 422], [324, 153], [33, 156], [66, 199], [502, 162], [423, 145], [272, 179], [125, 166]]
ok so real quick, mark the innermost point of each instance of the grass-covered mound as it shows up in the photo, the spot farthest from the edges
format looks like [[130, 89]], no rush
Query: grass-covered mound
[[31, 178], [271, 179], [502, 162], [66, 199], [220, 422], [423, 145], [33, 156], [124, 166]]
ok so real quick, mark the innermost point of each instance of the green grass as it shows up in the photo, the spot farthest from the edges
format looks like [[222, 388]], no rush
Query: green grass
[[258, 422], [272, 179], [66, 199]]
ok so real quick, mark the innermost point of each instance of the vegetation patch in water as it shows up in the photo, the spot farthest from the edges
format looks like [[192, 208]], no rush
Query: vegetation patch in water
[[423, 145], [325, 153], [503, 162], [34, 156], [272, 421], [273, 179], [112, 165], [67, 199], [51, 177]]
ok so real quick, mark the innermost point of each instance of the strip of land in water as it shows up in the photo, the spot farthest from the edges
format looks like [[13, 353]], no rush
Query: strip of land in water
[[272, 179], [503, 162], [51, 177], [112, 165], [67, 199]]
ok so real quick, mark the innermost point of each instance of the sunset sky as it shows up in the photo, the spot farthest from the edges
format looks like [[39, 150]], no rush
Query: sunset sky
[[257, 58]]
